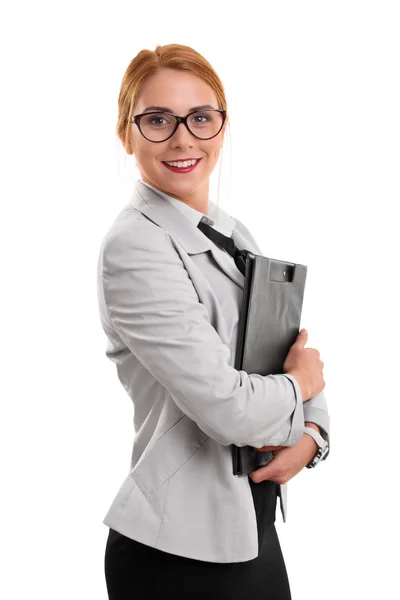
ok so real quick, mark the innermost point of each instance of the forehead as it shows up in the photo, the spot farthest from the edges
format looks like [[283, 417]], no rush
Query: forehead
[[177, 90]]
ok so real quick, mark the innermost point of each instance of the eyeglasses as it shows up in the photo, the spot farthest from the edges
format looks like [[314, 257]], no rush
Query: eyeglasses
[[160, 126]]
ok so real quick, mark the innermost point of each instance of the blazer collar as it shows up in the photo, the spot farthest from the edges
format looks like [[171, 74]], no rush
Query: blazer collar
[[215, 217], [169, 217]]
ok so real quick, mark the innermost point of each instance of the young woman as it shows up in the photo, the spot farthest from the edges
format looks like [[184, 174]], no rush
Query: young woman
[[169, 298]]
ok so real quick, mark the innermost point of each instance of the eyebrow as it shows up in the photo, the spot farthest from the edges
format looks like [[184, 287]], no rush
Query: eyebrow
[[166, 109]]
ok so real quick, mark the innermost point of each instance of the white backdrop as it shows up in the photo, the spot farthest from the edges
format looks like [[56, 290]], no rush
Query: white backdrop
[[313, 97]]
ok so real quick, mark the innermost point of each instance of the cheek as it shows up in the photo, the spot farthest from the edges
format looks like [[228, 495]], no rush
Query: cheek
[[146, 156], [214, 152], [144, 151]]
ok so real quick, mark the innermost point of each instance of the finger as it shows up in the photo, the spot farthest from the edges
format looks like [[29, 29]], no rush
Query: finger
[[301, 339], [263, 473]]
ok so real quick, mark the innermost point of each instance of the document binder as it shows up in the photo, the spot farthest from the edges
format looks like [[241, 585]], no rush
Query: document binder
[[269, 324]]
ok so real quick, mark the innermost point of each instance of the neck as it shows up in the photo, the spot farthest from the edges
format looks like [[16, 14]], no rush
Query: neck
[[197, 199]]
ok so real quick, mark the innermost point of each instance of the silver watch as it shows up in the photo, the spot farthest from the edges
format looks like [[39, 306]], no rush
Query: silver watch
[[323, 447]]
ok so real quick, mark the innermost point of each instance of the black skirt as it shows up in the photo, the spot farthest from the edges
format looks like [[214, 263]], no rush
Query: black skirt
[[134, 570]]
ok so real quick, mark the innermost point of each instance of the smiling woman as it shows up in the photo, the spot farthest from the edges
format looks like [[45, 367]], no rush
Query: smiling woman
[[182, 524], [172, 109]]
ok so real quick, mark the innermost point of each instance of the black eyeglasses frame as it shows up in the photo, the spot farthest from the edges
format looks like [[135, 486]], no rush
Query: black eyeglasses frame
[[136, 119]]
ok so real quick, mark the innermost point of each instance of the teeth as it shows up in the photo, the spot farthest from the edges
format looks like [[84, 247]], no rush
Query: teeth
[[180, 164]]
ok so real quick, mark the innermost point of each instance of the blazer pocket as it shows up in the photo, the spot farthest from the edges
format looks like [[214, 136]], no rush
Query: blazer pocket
[[168, 454]]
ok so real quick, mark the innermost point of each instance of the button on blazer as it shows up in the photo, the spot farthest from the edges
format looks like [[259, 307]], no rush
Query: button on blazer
[[169, 306]]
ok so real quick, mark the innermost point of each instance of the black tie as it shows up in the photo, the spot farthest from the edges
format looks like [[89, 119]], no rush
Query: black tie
[[227, 243]]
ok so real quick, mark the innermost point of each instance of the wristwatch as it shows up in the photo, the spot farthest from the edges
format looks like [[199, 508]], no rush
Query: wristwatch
[[323, 447]]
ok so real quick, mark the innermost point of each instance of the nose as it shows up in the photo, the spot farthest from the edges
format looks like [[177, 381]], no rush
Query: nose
[[182, 136]]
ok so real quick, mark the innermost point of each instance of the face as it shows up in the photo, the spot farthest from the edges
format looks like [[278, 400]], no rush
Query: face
[[180, 92]]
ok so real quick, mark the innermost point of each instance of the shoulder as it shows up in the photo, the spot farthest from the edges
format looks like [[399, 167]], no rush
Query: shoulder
[[134, 243], [131, 229]]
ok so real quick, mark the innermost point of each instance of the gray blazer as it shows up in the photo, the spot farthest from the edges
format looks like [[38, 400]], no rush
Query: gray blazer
[[169, 306]]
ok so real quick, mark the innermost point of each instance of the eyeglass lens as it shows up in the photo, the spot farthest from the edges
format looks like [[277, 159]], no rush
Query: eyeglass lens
[[159, 126]]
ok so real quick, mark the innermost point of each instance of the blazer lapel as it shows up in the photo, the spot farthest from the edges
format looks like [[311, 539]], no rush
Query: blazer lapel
[[167, 216]]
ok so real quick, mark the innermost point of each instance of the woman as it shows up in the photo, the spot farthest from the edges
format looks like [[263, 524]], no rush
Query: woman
[[169, 301]]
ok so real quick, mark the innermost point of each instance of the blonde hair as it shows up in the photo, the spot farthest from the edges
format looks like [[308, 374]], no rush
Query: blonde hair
[[147, 63]]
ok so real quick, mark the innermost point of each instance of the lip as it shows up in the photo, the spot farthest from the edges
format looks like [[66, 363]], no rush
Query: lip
[[181, 159], [178, 170]]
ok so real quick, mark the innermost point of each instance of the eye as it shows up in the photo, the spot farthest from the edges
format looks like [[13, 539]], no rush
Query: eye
[[157, 120], [200, 118]]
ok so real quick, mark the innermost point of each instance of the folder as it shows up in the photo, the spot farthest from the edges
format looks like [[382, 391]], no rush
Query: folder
[[269, 323]]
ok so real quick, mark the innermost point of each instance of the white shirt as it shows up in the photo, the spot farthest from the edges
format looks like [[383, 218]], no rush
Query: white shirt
[[216, 217]]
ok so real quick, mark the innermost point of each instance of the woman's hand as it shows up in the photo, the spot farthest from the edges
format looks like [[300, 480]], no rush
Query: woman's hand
[[287, 461], [306, 366]]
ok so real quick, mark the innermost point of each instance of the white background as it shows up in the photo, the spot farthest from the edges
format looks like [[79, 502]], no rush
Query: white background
[[313, 97]]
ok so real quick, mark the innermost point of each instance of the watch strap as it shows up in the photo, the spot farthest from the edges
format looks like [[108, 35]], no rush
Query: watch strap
[[321, 443]]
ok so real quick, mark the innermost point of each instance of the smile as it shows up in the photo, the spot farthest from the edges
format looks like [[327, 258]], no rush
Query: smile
[[181, 166]]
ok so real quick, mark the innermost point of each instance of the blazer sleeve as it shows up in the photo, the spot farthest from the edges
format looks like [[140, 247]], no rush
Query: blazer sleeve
[[153, 306], [316, 408]]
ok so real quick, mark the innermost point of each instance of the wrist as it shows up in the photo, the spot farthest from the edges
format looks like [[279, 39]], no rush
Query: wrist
[[322, 445], [310, 444], [297, 374]]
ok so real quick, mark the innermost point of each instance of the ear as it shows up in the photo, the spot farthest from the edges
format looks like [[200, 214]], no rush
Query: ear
[[126, 144], [129, 149]]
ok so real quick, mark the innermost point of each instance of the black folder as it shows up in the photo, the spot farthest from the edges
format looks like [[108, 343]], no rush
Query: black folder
[[269, 324]]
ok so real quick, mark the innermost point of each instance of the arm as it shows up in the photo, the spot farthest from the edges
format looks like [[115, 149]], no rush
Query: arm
[[316, 408], [153, 306]]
